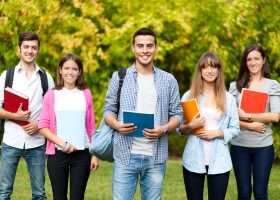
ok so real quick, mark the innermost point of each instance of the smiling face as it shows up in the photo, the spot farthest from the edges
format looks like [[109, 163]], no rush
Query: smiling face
[[209, 72], [255, 62], [28, 51], [144, 49], [69, 73]]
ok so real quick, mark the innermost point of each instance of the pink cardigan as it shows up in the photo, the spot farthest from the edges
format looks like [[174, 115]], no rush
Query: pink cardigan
[[47, 117]]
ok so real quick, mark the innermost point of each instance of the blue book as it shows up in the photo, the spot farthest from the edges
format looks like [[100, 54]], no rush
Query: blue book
[[141, 120], [71, 127]]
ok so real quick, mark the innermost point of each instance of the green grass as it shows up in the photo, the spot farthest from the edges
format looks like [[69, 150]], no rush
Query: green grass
[[99, 184]]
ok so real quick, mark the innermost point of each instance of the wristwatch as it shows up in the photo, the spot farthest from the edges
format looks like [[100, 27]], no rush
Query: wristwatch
[[165, 130]]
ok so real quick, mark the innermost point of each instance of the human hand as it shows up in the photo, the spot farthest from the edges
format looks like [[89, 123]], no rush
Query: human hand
[[31, 128], [197, 122], [210, 134], [94, 164], [153, 133], [69, 148], [22, 115], [257, 126], [126, 128]]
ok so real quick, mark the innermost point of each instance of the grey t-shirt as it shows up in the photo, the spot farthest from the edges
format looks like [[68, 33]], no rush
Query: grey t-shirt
[[247, 138]]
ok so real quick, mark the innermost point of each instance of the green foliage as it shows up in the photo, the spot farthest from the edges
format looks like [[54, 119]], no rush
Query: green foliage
[[100, 32]]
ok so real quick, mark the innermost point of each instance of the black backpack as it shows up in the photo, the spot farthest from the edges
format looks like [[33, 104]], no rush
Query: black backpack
[[9, 83]]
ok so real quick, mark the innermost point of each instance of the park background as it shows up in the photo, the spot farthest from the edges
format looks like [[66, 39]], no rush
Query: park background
[[100, 32]]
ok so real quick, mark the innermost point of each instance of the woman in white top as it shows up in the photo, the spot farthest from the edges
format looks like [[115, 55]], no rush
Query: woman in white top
[[64, 159], [207, 153]]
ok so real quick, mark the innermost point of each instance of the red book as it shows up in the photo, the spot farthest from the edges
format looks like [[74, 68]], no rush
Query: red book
[[252, 101], [12, 100]]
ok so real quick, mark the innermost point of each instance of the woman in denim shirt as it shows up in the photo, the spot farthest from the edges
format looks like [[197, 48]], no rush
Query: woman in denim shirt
[[207, 153]]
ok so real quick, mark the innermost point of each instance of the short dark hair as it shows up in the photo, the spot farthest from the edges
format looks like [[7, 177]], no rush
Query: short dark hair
[[243, 77], [59, 82], [144, 31], [27, 36]]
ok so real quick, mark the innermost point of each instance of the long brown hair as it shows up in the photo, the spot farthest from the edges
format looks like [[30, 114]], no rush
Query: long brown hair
[[196, 88], [243, 78], [59, 82]]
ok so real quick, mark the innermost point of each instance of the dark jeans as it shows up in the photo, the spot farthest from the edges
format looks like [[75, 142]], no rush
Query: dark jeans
[[194, 185], [59, 167], [252, 160]]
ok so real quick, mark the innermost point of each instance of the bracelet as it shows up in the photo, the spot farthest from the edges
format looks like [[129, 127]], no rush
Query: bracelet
[[64, 145], [67, 147], [249, 117], [165, 130]]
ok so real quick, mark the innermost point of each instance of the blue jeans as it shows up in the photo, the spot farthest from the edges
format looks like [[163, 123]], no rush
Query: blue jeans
[[35, 159], [125, 178], [247, 160]]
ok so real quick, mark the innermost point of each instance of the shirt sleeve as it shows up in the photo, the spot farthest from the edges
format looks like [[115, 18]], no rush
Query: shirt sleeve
[[232, 129], [2, 85], [110, 106], [45, 116], [175, 110], [233, 91], [184, 97], [274, 97]]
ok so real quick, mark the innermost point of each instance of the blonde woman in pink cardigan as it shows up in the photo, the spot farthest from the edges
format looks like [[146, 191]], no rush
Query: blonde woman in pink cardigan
[[64, 159]]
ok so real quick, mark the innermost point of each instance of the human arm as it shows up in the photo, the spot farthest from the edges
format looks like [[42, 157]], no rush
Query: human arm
[[196, 122], [159, 130], [253, 126], [94, 164], [19, 115], [58, 141], [119, 126], [260, 117]]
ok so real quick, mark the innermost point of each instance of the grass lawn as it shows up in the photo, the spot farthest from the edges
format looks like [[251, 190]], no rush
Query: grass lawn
[[99, 184]]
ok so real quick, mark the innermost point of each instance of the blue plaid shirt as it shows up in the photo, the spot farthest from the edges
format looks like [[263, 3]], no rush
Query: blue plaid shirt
[[167, 106]]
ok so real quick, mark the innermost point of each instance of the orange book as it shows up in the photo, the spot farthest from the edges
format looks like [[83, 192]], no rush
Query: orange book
[[12, 100], [252, 101], [190, 108]]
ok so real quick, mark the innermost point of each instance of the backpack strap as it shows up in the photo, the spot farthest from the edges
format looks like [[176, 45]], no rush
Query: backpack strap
[[9, 77], [122, 73], [44, 81], [8, 83]]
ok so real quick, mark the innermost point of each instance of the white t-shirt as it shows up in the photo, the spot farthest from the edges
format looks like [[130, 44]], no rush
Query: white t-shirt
[[212, 116], [71, 100], [146, 102]]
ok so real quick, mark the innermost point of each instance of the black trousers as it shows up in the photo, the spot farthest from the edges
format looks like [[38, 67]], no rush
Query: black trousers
[[194, 185], [76, 164]]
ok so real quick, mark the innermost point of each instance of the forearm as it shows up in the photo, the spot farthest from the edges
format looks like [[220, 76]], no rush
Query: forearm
[[112, 121], [244, 125], [186, 129], [7, 115], [262, 117], [52, 137], [172, 124]]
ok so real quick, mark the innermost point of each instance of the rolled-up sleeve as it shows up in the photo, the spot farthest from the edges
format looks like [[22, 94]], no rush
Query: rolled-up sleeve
[[110, 106], [175, 109], [232, 130]]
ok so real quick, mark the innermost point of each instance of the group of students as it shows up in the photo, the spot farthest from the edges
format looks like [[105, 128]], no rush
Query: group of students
[[145, 89]]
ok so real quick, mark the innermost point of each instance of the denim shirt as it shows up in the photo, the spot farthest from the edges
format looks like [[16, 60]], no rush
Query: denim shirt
[[167, 107], [220, 161]]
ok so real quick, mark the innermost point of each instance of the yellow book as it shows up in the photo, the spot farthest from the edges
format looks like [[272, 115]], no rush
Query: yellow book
[[190, 108]]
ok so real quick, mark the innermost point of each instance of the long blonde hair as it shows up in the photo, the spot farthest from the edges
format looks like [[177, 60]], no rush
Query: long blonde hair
[[196, 88]]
